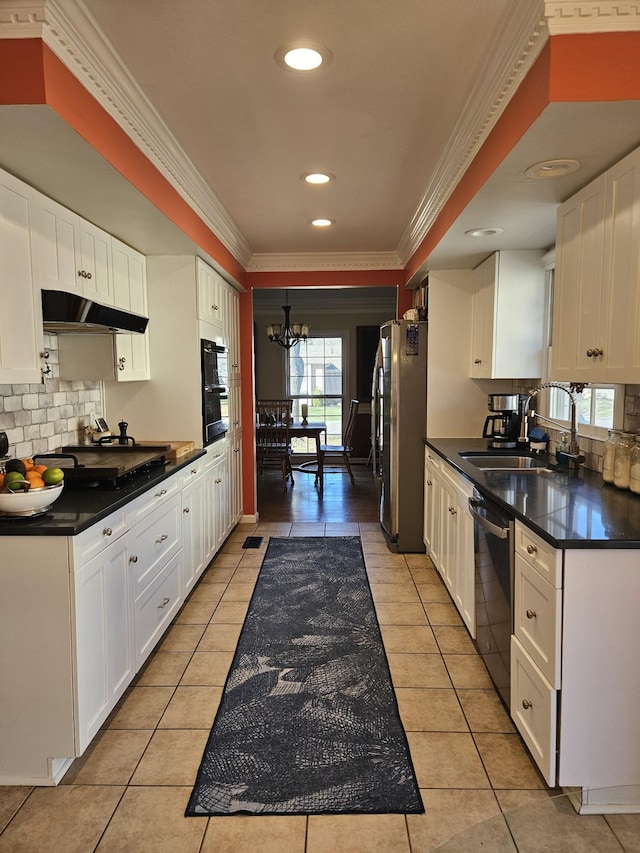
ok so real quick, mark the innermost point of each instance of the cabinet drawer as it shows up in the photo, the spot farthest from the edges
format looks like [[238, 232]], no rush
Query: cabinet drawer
[[432, 459], [151, 499], [534, 710], [544, 558], [191, 472], [537, 610], [99, 536], [155, 541], [156, 607]]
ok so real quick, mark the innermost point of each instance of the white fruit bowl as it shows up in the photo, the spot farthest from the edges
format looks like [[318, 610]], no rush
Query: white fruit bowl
[[29, 503]]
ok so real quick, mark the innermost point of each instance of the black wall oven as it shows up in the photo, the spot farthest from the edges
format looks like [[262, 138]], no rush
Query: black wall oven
[[215, 391]]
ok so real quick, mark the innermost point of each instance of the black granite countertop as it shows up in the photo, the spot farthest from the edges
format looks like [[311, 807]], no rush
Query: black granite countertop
[[567, 509], [79, 507]]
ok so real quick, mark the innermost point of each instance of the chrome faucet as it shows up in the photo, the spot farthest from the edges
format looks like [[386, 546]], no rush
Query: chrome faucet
[[573, 455]]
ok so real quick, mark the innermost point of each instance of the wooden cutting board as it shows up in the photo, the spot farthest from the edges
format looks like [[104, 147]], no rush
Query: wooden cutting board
[[176, 448]]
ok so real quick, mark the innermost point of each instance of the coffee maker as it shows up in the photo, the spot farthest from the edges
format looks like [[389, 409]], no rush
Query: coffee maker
[[503, 427]]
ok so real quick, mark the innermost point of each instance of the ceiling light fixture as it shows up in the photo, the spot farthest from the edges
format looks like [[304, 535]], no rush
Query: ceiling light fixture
[[285, 334], [302, 56], [322, 223], [484, 232], [318, 177], [547, 170]]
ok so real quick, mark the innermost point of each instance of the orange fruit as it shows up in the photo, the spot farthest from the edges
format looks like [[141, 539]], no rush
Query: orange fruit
[[40, 468], [28, 464], [1, 480], [36, 482], [32, 473]]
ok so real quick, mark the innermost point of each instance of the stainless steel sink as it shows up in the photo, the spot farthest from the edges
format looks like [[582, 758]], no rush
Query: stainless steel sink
[[515, 464]]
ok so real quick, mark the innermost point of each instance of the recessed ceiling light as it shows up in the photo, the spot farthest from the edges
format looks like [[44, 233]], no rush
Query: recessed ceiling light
[[547, 170], [484, 232], [322, 223], [302, 56], [317, 177]]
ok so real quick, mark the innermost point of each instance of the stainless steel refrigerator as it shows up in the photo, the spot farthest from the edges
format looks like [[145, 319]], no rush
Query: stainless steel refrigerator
[[399, 417]]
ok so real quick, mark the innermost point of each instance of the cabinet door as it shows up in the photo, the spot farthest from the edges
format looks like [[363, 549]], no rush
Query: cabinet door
[[233, 333], [58, 240], [449, 535], [104, 648], [221, 500], [620, 361], [95, 257], [21, 335], [484, 288], [464, 593], [193, 533], [130, 293], [431, 510], [235, 467], [578, 300], [210, 304]]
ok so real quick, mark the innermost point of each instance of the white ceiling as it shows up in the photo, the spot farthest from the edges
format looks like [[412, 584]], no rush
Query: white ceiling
[[385, 116]]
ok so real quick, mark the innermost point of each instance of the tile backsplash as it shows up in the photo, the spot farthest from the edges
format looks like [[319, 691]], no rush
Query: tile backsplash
[[40, 418]]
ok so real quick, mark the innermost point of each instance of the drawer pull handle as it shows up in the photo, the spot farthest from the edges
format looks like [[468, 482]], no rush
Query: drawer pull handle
[[594, 353], [161, 493], [194, 470], [107, 531], [477, 361], [186, 509], [162, 538], [165, 601], [526, 704], [531, 614], [133, 558], [531, 549]]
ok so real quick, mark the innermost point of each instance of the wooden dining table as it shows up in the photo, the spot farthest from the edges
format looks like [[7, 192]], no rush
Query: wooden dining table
[[312, 430]]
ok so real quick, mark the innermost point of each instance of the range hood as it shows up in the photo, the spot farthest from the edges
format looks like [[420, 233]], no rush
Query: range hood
[[65, 313]]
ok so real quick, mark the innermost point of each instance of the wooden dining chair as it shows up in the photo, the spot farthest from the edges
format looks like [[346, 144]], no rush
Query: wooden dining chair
[[273, 443], [339, 453]]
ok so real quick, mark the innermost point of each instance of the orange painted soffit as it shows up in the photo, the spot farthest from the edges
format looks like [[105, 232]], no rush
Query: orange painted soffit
[[33, 74], [590, 67], [327, 278]]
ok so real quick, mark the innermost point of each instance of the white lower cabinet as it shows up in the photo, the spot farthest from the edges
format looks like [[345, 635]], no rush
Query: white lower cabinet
[[103, 637], [80, 615], [534, 710], [156, 606], [195, 556], [575, 682], [448, 534]]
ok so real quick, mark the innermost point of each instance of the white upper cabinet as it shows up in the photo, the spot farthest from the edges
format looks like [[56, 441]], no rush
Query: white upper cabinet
[[95, 263], [508, 316], [58, 242], [210, 295], [596, 311], [74, 255], [21, 335], [130, 294]]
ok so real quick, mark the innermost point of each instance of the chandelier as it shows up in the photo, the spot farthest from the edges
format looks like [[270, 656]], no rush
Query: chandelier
[[285, 333]]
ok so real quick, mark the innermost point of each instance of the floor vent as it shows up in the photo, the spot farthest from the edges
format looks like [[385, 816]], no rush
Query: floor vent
[[252, 542]]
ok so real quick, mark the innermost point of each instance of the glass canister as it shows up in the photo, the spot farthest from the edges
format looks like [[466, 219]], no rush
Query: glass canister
[[634, 479], [622, 461], [610, 455]]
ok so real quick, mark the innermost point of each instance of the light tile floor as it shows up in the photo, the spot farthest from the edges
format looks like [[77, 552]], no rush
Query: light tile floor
[[481, 791]]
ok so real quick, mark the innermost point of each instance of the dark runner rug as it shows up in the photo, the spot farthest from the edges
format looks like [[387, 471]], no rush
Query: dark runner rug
[[308, 722]]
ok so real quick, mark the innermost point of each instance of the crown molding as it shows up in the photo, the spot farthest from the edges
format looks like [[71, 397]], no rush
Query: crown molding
[[592, 16], [522, 37], [310, 262], [74, 36]]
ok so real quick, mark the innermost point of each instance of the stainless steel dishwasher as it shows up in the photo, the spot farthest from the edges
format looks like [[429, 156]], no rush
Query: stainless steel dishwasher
[[493, 536]]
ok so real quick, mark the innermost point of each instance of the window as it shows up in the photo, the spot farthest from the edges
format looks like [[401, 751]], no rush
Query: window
[[315, 370], [598, 408]]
